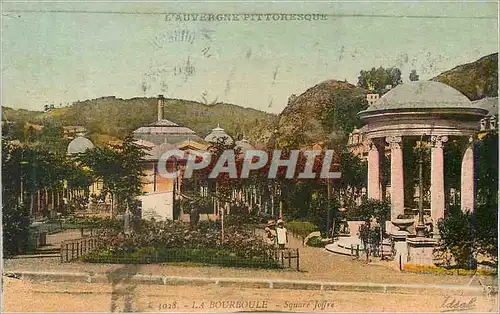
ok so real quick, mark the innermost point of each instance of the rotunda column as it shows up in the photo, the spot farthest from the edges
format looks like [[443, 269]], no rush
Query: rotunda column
[[397, 176], [373, 170], [467, 178], [437, 177]]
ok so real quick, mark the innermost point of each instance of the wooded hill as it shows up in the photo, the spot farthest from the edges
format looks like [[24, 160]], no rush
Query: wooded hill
[[323, 112]]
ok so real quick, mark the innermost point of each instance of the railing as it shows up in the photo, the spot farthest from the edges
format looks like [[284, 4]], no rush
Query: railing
[[74, 249], [285, 256]]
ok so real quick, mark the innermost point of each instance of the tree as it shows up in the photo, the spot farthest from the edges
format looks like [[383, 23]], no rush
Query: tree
[[341, 115], [15, 217], [465, 235], [15, 226], [413, 75], [487, 167], [376, 80], [120, 169], [354, 173]]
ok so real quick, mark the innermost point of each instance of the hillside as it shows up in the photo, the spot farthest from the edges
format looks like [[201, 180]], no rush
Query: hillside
[[323, 112], [475, 80], [109, 118], [328, 110]]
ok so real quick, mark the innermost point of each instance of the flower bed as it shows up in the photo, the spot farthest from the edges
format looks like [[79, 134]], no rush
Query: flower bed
[[176, 242], [220, 257], [446, 271]]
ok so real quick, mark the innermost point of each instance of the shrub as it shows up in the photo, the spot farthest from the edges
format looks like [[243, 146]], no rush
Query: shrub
[[301, 228], [315, 242], [16, 227], [371, 207], [369, 235], [465, 235], [457, 238], [486, 220]]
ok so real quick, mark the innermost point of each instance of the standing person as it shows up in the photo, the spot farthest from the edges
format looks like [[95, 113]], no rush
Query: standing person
[[270, 232], [281, 234]]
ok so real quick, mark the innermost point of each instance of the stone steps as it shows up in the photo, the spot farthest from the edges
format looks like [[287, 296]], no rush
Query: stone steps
[[335, 248]]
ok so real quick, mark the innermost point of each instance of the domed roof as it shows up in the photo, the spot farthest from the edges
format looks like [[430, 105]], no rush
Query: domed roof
[[79, 145], [219, 134], [244, 145], [422, 95]]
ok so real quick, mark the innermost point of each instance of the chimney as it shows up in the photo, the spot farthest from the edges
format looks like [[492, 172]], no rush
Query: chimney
[[161, 102]]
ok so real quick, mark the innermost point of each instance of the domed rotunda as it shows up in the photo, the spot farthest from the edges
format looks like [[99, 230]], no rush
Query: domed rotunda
[[79, 145], [424, 114], [218, 134]]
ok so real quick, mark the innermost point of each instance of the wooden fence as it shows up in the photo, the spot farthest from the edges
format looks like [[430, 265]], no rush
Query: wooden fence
[[285, 257], [73, 249]]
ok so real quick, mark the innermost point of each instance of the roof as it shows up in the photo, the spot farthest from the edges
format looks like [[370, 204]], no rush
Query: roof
[[488, 103], [163, 126], [421, 95], [145, 143], [163, 131], [79, 145], [219, 134]]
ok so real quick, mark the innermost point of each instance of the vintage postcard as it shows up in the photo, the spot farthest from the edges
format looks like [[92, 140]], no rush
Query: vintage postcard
[[249, 156]]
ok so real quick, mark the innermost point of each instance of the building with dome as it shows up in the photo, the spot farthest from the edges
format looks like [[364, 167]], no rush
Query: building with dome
[[422, 112], [243, 145], [218, 134], [79, 145], [165, 131], [160, 194]]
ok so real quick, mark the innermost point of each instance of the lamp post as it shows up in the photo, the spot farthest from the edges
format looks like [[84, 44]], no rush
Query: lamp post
[[421, 225], [329, 189], [22, 163]]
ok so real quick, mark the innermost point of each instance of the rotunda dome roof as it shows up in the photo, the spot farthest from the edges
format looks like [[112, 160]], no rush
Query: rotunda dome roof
[[219, 134], [421, 95], [79, 145]]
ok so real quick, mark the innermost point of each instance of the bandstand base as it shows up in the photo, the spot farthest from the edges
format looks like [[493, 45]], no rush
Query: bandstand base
[[420, 250]]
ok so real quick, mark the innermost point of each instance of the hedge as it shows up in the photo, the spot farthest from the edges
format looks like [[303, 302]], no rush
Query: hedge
[[301, 228]]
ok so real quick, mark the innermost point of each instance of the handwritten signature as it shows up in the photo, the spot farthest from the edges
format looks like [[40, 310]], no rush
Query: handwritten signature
[[451, 304]]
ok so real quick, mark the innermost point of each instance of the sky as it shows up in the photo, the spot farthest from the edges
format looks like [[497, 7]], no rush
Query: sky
[[64, 52]]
